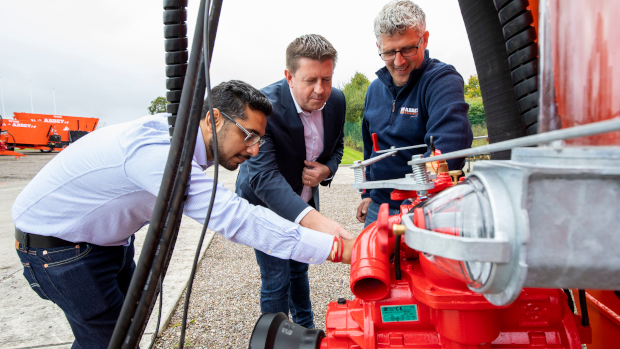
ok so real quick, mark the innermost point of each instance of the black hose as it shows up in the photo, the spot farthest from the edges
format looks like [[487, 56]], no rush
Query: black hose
[[585, 320], [397, 257], [571, 304], [163, 221], [215, 11], [161, 295]]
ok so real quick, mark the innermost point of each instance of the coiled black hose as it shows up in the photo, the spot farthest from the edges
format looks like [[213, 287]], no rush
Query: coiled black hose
[[168, 209], [175, 45]]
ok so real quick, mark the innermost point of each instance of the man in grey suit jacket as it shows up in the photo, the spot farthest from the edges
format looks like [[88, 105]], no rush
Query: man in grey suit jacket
[[304, 142]]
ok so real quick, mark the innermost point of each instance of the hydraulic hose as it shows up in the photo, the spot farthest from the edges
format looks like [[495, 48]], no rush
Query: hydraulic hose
[[168, 207], [571, 304], [397, 257], [217, 4], [585, 319]]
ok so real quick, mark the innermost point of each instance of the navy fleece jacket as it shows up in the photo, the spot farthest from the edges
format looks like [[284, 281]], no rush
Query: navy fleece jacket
[[430, 104]]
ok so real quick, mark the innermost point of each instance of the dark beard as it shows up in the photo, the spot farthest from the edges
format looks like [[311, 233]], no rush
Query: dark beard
[[221, 158]]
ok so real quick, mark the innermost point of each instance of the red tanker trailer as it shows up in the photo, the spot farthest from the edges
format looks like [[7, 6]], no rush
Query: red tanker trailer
[[42, 131]]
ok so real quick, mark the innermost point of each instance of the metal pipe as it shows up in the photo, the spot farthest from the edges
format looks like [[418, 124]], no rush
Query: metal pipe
[[372, 160], [401, 148], [547, 137]]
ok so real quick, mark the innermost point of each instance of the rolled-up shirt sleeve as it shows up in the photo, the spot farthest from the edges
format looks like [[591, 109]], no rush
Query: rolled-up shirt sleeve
[[235, 218]]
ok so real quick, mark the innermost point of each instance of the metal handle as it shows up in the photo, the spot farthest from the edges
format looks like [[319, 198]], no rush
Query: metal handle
[[455, 247]]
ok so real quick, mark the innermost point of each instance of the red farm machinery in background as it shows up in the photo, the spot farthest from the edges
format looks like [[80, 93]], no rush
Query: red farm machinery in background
[[42, 131], [524, 252]]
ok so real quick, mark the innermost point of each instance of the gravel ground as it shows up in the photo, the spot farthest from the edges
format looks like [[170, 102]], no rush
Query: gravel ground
[[225, 297], [24, 168]]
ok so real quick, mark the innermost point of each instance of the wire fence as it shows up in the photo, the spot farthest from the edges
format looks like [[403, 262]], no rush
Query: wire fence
[[353, 135]]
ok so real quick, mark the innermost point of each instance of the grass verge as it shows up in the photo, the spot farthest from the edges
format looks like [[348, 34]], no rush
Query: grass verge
[[350, 155]]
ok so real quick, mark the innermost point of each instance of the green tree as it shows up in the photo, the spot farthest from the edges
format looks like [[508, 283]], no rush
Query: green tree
[[355, 93], [472, 89], [158, 105], [476, 111]]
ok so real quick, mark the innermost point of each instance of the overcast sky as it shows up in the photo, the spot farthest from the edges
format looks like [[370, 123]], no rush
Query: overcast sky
[[105, 59]]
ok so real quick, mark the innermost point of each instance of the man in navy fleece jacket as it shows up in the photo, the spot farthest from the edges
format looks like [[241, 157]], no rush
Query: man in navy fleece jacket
[[415, 97]]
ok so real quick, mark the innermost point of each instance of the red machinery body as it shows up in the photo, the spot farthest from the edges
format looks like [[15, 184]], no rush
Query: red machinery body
[[44, 132], [427, 308]]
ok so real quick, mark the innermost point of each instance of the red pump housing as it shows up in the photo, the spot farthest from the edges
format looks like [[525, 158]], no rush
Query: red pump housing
[[427, 308]]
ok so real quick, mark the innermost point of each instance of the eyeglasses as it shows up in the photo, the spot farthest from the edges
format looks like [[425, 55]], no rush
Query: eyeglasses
[[252, 138], [405, 52]]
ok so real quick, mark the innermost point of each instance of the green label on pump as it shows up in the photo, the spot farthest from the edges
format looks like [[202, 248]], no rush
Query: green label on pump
[[399, 313]]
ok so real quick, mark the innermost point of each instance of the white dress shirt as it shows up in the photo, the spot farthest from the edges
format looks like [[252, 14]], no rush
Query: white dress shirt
[[102, 189]]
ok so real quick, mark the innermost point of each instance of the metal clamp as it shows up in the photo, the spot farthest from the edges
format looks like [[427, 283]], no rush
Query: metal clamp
[[455, 247]]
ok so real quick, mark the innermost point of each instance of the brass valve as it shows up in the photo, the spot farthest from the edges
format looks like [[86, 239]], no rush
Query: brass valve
[[455, 176], [398, 229]]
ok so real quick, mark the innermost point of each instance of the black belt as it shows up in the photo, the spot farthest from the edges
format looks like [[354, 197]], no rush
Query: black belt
[[40, 241]]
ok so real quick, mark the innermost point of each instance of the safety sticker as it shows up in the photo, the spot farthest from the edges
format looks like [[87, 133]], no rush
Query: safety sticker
[[399, 313]]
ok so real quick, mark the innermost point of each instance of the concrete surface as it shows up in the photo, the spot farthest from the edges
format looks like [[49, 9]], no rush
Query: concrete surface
[[27, 321]]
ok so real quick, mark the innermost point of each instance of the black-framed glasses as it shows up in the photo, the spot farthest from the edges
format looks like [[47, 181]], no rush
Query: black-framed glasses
[[405, 52], [252, 138]]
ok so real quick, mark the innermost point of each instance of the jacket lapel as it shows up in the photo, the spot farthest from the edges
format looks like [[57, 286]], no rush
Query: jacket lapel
[[292, 120], [328, 129]]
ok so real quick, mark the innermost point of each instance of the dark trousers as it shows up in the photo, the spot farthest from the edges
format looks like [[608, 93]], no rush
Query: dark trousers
[[88, 282], [285, 287]]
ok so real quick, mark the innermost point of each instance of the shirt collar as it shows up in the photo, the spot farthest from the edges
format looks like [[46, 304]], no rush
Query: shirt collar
[[200, 151], [301, 111]]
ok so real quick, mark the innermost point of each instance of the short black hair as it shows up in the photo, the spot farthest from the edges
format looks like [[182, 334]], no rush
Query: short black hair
[[231, 97]]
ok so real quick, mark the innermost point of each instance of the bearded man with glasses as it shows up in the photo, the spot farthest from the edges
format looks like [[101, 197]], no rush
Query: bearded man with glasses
[[415, 97], [304, 142], [75, 221]]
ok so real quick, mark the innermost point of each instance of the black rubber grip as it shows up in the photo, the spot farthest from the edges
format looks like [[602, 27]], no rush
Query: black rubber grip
[[173, 96], [526, 87], [172, 120], [531, 117], [175, 31], [511, 10], [176, 70], [174, 4], [175, 83], [499, 4], [174, 45], [525, 71], [517, 25], [521, 40], [175, 16], [176, 57], [522, 56], [528, 102], [172, 108]]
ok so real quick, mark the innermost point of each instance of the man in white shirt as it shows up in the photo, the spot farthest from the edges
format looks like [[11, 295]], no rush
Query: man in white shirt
[[304, 142], [75, 220]]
